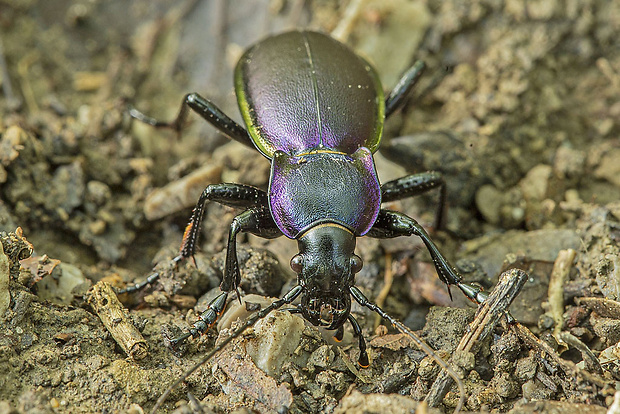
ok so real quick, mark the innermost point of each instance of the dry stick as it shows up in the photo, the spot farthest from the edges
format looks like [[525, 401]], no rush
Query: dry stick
[[591, 361], [347, 21], [569, 368], [388, 280], [115, 318], [561, 268], [488, 315]]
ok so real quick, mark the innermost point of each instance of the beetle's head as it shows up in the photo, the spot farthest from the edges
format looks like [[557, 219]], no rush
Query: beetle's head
[[326, 267]]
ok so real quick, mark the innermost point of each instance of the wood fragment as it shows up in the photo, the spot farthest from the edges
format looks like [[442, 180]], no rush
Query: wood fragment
[[591, 361], [488, 315], [605, 308], [561, 268], [115, 318], [388, 280], [544, 350], [5, 295]]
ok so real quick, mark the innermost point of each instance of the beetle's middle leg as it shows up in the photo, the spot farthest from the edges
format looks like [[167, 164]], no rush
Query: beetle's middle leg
[[393, 224], [415, 184], [231, 195]]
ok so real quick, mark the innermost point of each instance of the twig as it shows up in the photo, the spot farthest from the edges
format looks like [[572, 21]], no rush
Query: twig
[[345, 27], [7, 89], [488, 315], [568, 367], [561, 268], [115, 318], [388, 280]]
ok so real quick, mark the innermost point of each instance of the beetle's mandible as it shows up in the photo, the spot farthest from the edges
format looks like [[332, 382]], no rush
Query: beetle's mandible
[[316, 110]]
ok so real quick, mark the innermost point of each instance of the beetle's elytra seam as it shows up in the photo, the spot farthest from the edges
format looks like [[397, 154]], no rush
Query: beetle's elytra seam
[[315, 87]]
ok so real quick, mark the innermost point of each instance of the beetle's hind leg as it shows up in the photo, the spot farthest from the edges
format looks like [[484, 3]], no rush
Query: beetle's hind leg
[[206, 109], [416, 184]]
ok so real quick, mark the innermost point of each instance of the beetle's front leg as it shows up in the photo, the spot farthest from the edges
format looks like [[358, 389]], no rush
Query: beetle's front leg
[[207, 110], [415, 184], [232, 195], [393, 224], [257, 221]]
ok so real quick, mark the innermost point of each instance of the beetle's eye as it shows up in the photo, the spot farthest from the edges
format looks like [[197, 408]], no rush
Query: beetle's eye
[[296, 263], [356, 263]]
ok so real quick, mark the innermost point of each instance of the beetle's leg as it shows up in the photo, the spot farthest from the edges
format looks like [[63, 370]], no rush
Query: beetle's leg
[[206, 319], [257, 221], [415, 184], [289, 297], [233, 195], [362, 300], [393, 224], [363, 358], [206, 109], [398, 96], [339, 334]]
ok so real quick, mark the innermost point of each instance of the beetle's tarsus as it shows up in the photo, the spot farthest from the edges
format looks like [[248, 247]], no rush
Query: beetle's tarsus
[[357, 330], [206, 319], [150, 279], [339, 334], [174, 343], [289, 297]]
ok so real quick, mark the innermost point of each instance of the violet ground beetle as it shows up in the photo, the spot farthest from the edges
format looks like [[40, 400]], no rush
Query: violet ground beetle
[[316, 110]]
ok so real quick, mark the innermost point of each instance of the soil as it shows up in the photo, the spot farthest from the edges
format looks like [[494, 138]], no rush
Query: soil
[[519, 109]]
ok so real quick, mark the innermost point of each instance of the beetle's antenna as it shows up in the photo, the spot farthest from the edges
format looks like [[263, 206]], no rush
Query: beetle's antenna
[[362, 300], [252, 319]]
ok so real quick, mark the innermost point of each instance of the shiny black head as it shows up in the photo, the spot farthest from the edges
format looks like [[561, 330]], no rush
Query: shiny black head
[[326, 267]]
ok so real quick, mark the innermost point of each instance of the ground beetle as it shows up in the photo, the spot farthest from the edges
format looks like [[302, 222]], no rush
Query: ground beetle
[[316, 110]]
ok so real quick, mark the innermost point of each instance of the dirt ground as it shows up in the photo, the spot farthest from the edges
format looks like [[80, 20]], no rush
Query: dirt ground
[[519, 109]]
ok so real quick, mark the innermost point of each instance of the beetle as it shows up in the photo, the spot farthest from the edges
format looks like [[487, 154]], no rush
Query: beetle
[[316, 111]]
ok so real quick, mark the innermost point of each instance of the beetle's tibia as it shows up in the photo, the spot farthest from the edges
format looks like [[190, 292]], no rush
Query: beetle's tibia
[[206, 319]]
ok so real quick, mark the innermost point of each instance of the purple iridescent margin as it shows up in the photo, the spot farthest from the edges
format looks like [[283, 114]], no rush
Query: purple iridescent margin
[[324, 186]]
